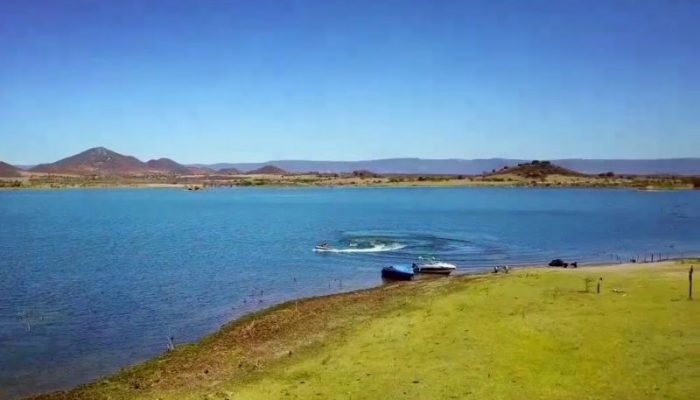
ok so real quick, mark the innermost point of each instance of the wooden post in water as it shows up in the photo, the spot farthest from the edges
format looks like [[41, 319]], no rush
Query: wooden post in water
[[690, 283], [598, 287]]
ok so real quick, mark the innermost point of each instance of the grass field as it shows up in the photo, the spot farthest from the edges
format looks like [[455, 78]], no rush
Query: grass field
[[534, 333]]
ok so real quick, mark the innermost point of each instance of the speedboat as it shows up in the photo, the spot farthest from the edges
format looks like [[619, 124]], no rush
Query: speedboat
[[322, 247], [433, 266], [401, 272]]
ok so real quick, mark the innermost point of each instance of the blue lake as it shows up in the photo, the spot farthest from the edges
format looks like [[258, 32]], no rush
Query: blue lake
[[94, 280]]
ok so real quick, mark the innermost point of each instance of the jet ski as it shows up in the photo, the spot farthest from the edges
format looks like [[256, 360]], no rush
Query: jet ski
[[322, 247]]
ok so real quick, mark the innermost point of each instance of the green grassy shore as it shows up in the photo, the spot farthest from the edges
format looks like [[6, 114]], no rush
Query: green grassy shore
[[534, 333]]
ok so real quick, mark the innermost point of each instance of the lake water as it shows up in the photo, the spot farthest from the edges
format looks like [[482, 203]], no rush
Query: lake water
[[94, 280]]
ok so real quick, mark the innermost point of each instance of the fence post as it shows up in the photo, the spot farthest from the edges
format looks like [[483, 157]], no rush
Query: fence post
[[598, 287], [690, 283]]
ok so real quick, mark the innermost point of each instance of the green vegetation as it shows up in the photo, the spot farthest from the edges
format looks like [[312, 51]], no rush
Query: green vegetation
[[434, 178], [694, 181], [533, 333], [10, 183]]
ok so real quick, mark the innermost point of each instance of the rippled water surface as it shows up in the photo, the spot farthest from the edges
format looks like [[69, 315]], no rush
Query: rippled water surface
[[93, 280]]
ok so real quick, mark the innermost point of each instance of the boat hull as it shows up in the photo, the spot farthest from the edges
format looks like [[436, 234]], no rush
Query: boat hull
[[441, 268], [431, 270], [396, 274]]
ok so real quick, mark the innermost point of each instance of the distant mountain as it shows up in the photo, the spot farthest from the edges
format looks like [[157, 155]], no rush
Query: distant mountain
[[102, 161], [385, 166], [200, 170], [168, 166], [229, 171], [674, 166], [9, 171], [267, 170], [95, 161]]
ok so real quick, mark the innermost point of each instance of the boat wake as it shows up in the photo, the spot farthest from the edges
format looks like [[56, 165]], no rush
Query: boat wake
[[374, 249], [407, 246]]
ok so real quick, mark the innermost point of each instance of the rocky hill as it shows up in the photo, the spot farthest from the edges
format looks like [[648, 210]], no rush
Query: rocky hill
[[536, 169], [229, 171], [194, 170], [105, 162], [267, 170], [168, 166], [96, 161], [9, 171]]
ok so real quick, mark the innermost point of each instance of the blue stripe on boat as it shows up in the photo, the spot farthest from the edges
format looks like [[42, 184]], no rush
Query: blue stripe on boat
[[398, 271]]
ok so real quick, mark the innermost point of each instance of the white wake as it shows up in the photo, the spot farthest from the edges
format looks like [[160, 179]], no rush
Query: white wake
[[374, 249]]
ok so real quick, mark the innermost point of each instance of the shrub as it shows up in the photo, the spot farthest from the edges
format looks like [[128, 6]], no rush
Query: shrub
[[11, 184], [362, 174]]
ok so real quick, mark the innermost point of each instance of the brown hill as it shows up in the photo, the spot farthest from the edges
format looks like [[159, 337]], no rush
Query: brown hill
[[201, 171], [267, 170], [229, 171], [96, 161], [9, 171], [168, 166], [536, 169]]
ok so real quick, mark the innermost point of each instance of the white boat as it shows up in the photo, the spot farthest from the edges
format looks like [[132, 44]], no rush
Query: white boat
[[322, 247], [433, 266]]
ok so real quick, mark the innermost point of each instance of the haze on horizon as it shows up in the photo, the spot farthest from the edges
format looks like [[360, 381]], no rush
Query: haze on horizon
[[248, 81]]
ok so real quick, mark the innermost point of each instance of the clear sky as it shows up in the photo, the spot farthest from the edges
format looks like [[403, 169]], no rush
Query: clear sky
[[215, 81]]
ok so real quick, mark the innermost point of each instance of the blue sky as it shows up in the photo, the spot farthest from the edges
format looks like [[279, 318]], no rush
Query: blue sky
[[214, 81]]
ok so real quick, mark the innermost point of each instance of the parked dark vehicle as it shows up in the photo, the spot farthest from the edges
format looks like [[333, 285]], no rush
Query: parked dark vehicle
[[558, 262]]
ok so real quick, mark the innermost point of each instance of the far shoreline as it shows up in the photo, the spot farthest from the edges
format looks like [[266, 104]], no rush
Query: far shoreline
[[532, 174], [205, 186]]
